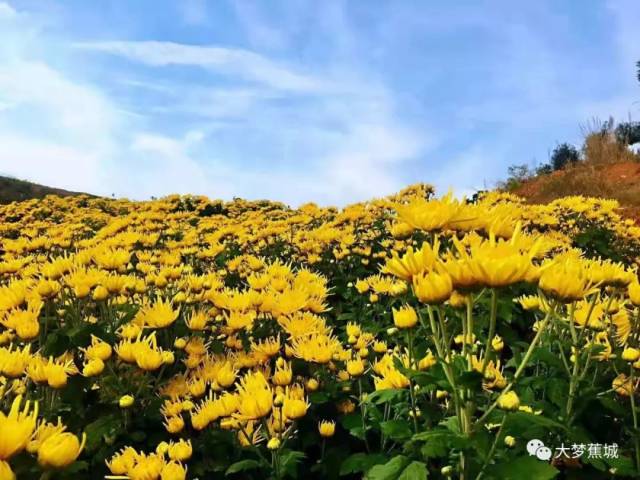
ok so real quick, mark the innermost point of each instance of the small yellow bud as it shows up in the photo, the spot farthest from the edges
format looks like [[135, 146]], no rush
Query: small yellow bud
[[273, 444], [327, 428], [630, 354], [509, 401], [100, 293]]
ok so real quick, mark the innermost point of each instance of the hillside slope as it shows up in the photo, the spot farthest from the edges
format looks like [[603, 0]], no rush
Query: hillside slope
[[12, 189], [620, 181]]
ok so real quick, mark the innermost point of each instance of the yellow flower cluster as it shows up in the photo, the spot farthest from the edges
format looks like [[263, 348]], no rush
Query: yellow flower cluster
[[231, 313]]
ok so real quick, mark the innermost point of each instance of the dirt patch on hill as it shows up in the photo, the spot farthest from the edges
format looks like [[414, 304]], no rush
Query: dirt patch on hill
[[620, 181]]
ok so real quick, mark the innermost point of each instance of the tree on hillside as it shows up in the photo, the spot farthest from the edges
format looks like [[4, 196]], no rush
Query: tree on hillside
[[628, 133], [563, 155]]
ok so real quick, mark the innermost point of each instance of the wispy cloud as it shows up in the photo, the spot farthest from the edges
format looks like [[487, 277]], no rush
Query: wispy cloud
[[236, 62]]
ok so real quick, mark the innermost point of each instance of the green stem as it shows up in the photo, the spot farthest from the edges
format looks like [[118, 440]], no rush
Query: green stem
[[492, 330], [411, 392], [445, 362], [519, 370], [493, 448], [573, 381], [363, 413]]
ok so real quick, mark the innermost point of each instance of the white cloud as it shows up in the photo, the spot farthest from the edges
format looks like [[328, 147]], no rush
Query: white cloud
[[51, 163], [7, 11], [243, 64], [161, 165], [467, 172], [69, 136]]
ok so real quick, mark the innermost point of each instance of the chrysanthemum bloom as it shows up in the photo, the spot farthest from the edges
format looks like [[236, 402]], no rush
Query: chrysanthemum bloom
[[283, 375], [122, 462], [294, 408], [198, 320], [158, 315], [316, 348], [413, 261], [567, 280], [180, 450], [433, 287], [405, 317], [430, 214], [93, 367], [255, 397], [17, 427], [98, 349], [355, 367], [44, 431], [326, 428], [226, 376], [174, 424], [60, 450], [173, 471], [494, 262]]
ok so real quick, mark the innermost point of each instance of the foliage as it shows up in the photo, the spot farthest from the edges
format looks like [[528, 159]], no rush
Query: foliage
[[628, 133], [563, 155], [517, 175]]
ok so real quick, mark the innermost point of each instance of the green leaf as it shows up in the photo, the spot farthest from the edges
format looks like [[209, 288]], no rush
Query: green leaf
[[353, 423], [396, 429], [384, 396], [361, 462], [614, 406], [546, 356], [242, 465], [289, 460], [622, 465], [388, 471], [439, 443], [471, 380], [524, 467], [415, 471], [557, 391], [318, 397], [106, 426]]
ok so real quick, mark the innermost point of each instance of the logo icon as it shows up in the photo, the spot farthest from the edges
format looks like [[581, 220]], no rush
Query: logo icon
[[537, 448]]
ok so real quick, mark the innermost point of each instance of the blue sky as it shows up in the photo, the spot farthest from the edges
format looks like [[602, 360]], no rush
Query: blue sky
[[332, 101]]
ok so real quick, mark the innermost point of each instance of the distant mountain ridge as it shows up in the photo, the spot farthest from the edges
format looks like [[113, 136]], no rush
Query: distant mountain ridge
[[12, 189]]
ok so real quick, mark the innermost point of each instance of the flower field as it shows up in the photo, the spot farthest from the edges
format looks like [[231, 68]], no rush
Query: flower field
[[407, 337]]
